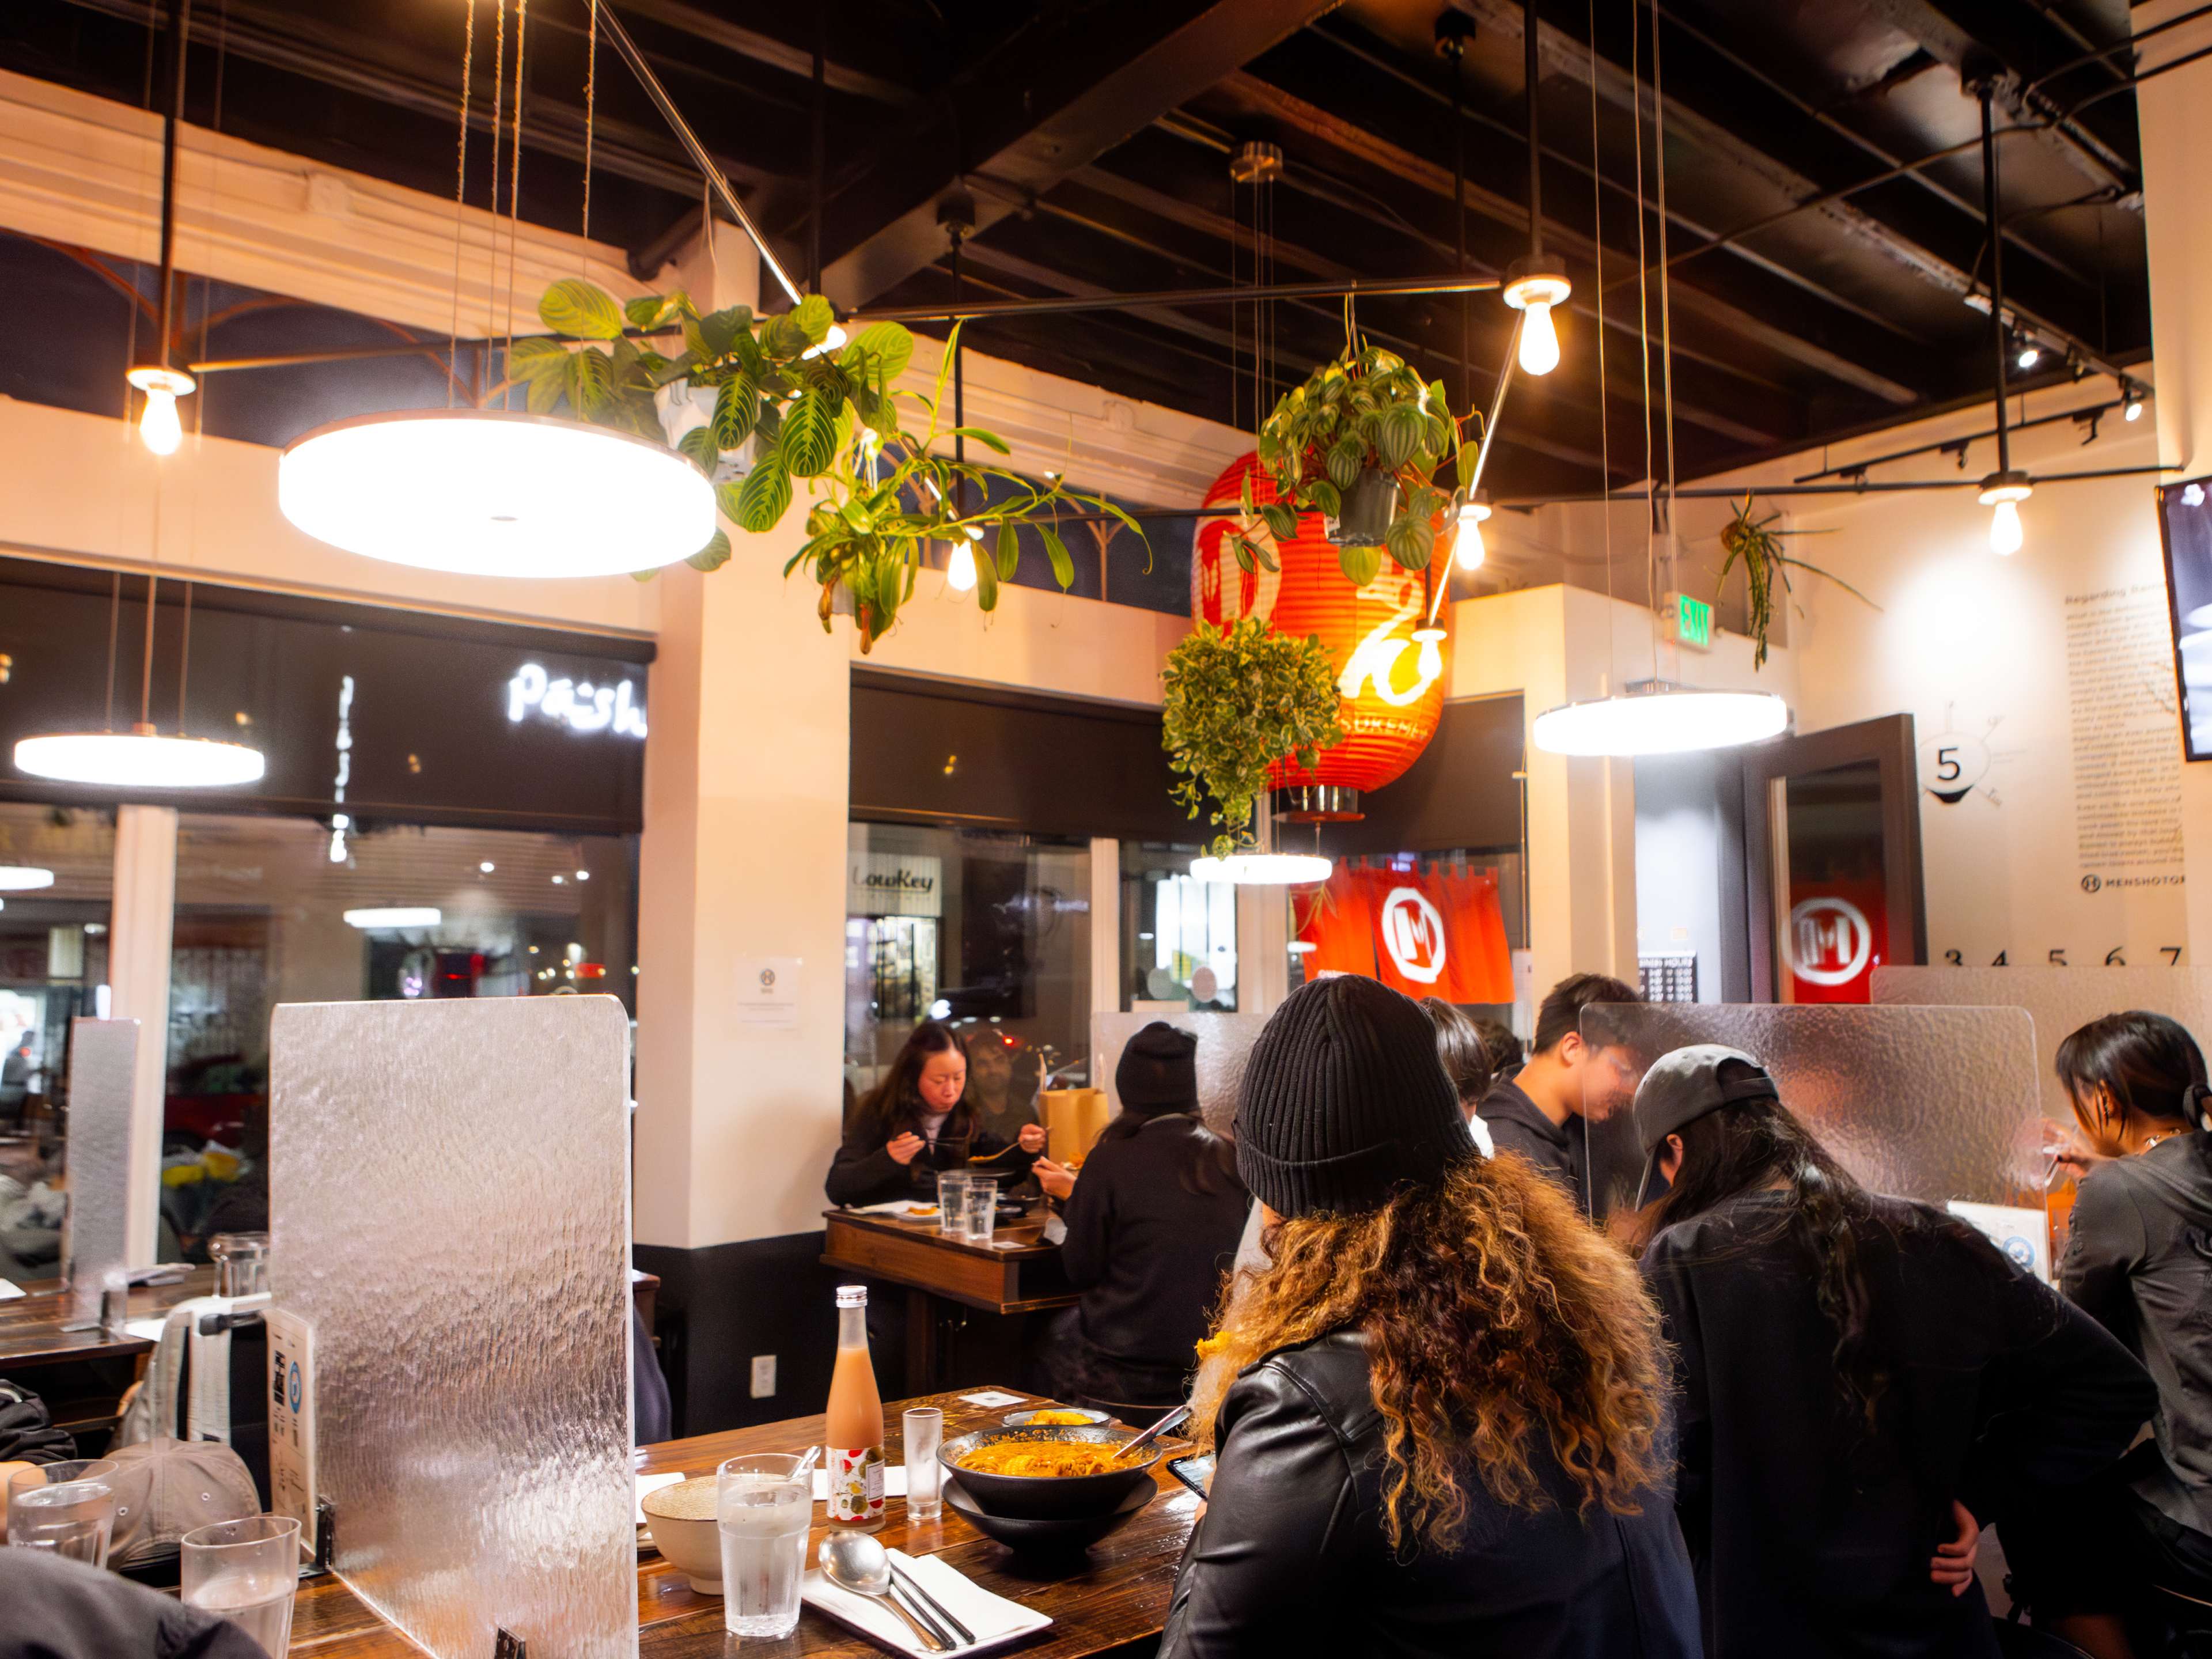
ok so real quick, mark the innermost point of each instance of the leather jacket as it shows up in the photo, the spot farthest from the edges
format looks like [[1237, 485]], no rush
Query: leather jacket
[[1291, 1557]]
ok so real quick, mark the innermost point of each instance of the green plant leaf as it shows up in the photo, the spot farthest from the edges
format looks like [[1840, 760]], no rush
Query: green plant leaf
[[783, 338], [1324, 496], [1347, 456], [1470, 454], [1259, 552], [1245, 494], [698, 447], [1361, 565], [649, 310], [814, 315], [543, 394], [1009, 555], [765, 495], [1411, 541], [1063, 566], [988, 440], [590, 380], [736, 407], [987, 580], [713, 555], [1400, 431], [890, 345], [529, 358], [1246, 552], [585, 310], [729, 499], [719, 329], [1281, 519], [809, 442]]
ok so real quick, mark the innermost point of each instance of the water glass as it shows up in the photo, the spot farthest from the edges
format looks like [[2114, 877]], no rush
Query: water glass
[[979, 1210], [922, 1433], [68, 1508], [246, 1572], [241, 1263], [952, 1187], [763, 1507]]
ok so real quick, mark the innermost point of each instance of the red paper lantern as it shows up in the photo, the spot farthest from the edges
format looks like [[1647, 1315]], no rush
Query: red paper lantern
[[1390, 706]]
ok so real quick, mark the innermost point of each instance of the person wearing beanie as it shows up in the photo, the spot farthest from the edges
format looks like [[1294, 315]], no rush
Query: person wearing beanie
[[1152, 1224], [1415, 1456], [1863, 1382]]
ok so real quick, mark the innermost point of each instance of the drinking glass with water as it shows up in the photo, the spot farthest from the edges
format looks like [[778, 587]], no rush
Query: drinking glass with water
[[764, 1506], [246, 1572], [68, 1508], [952, 1187]]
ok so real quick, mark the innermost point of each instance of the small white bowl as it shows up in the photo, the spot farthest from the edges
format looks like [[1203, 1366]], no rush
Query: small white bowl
[[690, 1544]]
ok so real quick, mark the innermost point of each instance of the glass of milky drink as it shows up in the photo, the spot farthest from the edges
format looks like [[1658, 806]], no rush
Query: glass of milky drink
[[763, 1507], [246, 1572]]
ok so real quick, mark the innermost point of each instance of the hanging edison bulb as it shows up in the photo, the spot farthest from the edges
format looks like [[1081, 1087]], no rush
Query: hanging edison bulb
[[1533, 294], [159, 428], [2002, 492]]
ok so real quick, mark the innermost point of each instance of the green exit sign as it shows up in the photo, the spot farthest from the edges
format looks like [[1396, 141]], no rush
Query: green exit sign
[[1693, 623]]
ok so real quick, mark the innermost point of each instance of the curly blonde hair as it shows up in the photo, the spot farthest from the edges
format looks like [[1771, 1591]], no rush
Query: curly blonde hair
[[1492, 1312]]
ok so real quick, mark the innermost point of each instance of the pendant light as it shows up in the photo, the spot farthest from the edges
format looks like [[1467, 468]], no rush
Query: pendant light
[[1536, 284], [2004, 489], [1653, 716], [141, 758], [1468, 518], [1260, 864], [496, 492], [1658, 717]]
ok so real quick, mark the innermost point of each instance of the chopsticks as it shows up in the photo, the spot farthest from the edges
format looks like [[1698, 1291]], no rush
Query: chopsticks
[[933, 1609]]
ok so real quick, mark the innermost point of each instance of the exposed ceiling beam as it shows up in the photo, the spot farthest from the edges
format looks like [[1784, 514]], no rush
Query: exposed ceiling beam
[[1263, 96], [1065, 88], [766, 49]]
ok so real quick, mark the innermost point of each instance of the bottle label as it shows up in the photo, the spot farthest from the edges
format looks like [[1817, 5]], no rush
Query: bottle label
[[856, 1483]]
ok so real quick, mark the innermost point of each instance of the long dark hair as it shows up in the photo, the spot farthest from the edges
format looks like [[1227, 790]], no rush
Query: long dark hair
[[1461, 1050], [1209, 1168], [2149, 1064], [1757, 1144], [894, 1106]]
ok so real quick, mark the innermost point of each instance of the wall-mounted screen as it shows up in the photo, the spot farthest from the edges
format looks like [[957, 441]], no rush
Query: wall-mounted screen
[[2185, 523]]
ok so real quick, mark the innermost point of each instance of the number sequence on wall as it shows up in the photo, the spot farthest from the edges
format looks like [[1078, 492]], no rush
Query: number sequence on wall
[[2113, 958]]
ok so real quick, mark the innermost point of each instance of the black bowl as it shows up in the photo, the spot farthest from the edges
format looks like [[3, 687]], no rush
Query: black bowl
[[1040, 1536], [1048, 1497]]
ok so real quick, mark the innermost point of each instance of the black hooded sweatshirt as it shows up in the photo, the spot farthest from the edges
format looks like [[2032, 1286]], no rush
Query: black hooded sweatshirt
[[1517, 1124], [1811, 1532], [2140, 1261]]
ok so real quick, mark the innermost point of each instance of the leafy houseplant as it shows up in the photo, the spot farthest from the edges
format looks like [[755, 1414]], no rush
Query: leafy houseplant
[[830, 415], [1239, 699], [1361, 442], [1758, 545]]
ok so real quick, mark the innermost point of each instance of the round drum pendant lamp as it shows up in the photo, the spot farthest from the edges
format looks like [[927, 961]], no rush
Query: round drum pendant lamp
[[1655, 717], [496, 493], [137, 759]]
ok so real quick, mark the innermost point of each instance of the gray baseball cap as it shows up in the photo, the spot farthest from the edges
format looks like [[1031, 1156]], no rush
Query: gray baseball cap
[[1682, 1086], [165, 1488]]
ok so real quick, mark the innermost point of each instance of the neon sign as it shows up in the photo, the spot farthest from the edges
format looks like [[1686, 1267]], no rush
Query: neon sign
[[577, 704]]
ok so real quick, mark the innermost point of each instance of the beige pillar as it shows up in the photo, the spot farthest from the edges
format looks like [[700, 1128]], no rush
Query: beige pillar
[[140, 924], [742, 868], [2174, 113]]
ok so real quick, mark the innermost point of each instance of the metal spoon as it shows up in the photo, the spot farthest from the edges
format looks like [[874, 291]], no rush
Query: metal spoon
[[855, 1562], [1168, 1425]]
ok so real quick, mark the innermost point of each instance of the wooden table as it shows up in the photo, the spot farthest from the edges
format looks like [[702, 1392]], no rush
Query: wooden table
[[86, 1400], [1018, 1273], [1114, 1596]]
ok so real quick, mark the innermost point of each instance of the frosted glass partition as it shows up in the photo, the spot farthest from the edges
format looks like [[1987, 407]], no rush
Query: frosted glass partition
[[2061, 1000], [103, 1063], [1225, 1044], [1933, 1103], [450, 1212]]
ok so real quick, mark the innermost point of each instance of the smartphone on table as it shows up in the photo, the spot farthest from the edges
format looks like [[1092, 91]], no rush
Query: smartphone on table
[[1196, 1473]]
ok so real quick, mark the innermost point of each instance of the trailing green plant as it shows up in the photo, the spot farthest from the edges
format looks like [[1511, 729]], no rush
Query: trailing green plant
[[1756, 545], [1239, 698], [1367, 411], [831, 416]]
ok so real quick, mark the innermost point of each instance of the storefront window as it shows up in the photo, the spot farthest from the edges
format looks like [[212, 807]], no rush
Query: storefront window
[[53, 965], [271, 910], [990, 933], [1178, 936]]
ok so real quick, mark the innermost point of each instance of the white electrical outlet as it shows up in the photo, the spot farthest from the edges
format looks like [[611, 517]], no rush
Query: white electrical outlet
[[764, 1375]]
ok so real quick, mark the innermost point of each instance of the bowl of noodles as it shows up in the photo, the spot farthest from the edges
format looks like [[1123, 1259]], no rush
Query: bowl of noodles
[[1050, 1472]]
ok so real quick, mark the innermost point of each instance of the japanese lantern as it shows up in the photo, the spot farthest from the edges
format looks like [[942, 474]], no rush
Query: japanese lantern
[[1391, 704]]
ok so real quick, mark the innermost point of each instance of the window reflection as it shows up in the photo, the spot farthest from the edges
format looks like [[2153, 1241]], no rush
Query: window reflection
[[53, 965], [1178, 936], [271, 910]]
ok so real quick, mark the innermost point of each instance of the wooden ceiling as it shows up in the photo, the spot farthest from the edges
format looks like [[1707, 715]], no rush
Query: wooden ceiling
[[1094, 138]]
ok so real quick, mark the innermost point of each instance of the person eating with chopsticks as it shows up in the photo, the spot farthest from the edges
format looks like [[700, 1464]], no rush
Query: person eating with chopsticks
[[919, 1120]]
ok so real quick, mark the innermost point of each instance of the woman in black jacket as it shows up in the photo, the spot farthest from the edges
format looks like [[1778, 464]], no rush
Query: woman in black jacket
[[1152, 1226], [917, 1122], [1863, 1380], [2139, 1259], [1445, 1430]]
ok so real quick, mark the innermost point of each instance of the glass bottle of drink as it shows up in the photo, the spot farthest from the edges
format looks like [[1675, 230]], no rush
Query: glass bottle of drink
[[853, 1430]]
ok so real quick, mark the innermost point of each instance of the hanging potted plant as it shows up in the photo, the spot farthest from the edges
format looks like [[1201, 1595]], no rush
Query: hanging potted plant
[[790, 404], [1361, 443], [1239, 699], [1757, 545]]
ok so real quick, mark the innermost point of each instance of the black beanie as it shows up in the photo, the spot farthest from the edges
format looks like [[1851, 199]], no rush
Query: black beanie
[[1156, 1073], [1345, 1102]]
